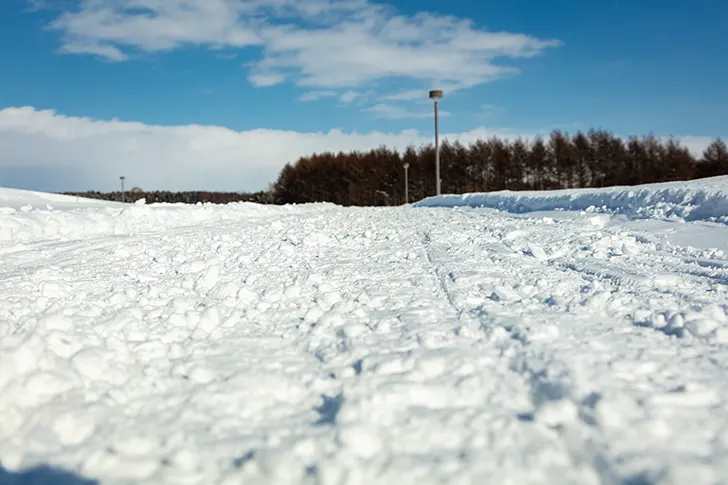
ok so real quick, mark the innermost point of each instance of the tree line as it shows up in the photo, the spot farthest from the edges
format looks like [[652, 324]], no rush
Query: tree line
[[593, 159], [376, 177], [184, 197]]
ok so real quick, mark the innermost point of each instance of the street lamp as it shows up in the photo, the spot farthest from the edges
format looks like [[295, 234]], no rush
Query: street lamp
[[123, 196], [406, 184], [436, 96], [385, 195]]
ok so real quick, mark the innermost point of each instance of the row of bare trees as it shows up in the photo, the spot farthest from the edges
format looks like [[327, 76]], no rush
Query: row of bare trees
[[593, 159], [184, 197]]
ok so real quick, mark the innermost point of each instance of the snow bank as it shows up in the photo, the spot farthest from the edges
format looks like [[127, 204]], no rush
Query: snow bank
[[705, 199], [33, 216], [18, 199]]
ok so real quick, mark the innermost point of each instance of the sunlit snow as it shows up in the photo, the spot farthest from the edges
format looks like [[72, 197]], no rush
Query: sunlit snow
[[245, 344]]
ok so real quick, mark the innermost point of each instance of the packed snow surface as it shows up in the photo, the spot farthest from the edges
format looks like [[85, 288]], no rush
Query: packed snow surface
[[242, 344]]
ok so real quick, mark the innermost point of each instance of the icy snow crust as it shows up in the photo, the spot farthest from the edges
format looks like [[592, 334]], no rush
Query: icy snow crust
[[705, 199], [244, 344]]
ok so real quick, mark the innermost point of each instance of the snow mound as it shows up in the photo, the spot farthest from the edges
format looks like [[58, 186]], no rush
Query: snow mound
[[704, 199], [27, 217], [28, 199]]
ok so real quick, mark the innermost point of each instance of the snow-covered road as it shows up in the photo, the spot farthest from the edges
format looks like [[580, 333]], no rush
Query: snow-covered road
[[330, 345]]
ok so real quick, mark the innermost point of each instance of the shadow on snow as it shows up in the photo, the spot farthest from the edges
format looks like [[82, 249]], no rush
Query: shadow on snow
[[43, 475]]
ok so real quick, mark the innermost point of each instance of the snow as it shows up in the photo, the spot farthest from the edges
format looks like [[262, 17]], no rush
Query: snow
[[704, 199], [315, 344], [27, 217]]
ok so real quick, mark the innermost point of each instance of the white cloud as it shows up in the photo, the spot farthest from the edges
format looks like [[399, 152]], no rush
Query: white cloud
[[266, 79], [316, 95], [345, 97], [316, 43], [107, 51], [154, 25], [391, 112], [408, 95], [350, 96], [696, 144], [488, 111], [47, 151]]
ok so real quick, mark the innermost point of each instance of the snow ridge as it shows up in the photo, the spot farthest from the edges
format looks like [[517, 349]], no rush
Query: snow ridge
[[28, 217], [705, 199]]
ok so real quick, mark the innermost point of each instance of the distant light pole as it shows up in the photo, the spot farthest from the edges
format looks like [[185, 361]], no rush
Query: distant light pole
[[406, 184], [123, 195], [386, 195], [436, 96]]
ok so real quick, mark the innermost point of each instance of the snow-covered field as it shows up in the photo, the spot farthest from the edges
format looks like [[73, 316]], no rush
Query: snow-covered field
[[245, 344]]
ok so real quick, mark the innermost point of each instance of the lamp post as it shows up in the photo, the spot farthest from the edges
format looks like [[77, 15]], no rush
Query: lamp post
[[123, 195], [385, 195], [406, 184], [436, 96]]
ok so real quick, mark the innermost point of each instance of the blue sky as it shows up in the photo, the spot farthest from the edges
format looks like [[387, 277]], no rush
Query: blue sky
[[517, 67]]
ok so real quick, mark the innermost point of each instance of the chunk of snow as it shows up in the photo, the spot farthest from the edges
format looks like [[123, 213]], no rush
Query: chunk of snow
[[360, 440]]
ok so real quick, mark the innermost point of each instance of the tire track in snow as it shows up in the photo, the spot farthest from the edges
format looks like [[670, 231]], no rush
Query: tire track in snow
[[646, 290], [583, 443], [438, 276], [390, 377], [603, 253], [553, 346]]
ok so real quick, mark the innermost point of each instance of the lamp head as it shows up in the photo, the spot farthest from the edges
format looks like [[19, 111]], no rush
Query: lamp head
[[436, 94]]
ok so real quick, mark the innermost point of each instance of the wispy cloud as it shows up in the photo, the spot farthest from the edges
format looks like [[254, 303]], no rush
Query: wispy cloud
[[266, 79], [345, 97], [408, 95], [350, 96], [322, 44], [392, 112], [107, 51], [317, 95], [488, 111], [57, 5]]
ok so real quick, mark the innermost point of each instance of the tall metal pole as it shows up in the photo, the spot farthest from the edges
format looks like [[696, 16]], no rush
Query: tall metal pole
[[406, 183], [437, 152], [436, 96], [123, 195]]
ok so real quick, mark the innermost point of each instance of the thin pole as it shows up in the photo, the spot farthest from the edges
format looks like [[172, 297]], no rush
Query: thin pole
[[123, 195], [437, 152]]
